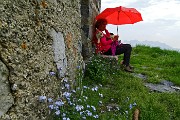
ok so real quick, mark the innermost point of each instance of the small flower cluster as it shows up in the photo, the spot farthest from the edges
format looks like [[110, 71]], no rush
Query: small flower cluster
[[71, 104], [69, 107], [74, 105]]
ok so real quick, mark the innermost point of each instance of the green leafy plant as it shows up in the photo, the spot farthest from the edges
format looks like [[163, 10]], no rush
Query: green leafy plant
[[110, 93]]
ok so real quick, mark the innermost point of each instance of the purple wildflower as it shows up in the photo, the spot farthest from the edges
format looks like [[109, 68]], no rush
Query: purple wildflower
[[79, 107], [130, 106], [42, 98], [50, 100], [51, 107], [52, 73], [59, 103], [57, 112]]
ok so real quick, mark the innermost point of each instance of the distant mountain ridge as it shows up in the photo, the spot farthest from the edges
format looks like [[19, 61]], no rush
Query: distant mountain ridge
[[150, 43]]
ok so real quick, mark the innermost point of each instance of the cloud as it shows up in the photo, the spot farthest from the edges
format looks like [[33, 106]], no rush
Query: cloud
[[115, 3], [161, 9]]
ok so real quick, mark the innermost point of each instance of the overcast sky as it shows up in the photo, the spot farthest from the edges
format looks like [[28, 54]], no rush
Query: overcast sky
[[161, 21]]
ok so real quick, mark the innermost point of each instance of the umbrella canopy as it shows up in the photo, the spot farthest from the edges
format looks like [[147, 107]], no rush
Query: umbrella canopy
[[120, 15]]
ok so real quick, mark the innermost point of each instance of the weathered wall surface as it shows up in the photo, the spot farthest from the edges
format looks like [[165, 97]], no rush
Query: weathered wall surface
[[6, 98], [40, 44]]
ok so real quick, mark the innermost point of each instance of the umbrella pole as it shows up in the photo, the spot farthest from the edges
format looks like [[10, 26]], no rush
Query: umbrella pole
[[117, 29], [118, 19]]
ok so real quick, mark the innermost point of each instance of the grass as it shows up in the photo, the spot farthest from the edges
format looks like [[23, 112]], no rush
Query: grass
[[107, 92], [164, 64]]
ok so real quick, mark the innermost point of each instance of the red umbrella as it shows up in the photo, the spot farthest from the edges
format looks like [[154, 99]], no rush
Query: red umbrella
[[120, 15]]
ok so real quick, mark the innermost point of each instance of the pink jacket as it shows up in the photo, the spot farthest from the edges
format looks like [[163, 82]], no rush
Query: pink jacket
[[105, 42]]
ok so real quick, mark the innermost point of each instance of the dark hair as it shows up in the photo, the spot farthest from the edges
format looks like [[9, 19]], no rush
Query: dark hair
[[111, 33], [100, 22]]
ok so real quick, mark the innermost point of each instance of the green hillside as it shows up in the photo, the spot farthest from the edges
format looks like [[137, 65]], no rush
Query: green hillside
[[107, 92]]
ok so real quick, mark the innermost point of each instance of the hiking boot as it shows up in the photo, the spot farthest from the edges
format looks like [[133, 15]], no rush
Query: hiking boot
[[122, 63], [132, 67], [128, 69]]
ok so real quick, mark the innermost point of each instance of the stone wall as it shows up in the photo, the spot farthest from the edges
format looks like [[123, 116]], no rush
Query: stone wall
[[89, 9], [40, 45]]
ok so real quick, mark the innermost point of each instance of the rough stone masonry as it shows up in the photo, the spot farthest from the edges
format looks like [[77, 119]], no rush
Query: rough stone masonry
[[38, 38]]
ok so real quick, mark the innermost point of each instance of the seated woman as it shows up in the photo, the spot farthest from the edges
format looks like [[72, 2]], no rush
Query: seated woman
[[107, 45]]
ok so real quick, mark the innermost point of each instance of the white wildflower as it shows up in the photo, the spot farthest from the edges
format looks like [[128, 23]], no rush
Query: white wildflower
[[117, 108], [84, 118], [128, 98], [63, 114], [85, 87], [96, 116], [95, 88], [109, 108], [64, 118], [134, 104], [73, 91], [93, 108], [85, 97], [101, 95], [126, 112], [79, 100]]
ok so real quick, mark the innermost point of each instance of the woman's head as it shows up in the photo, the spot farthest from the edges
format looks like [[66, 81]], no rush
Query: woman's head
[[101, 24]]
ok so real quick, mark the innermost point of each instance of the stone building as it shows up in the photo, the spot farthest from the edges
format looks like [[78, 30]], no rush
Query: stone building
[[41, 43]]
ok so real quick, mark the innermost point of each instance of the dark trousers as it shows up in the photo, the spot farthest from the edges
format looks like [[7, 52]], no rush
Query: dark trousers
[[122, 49]]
